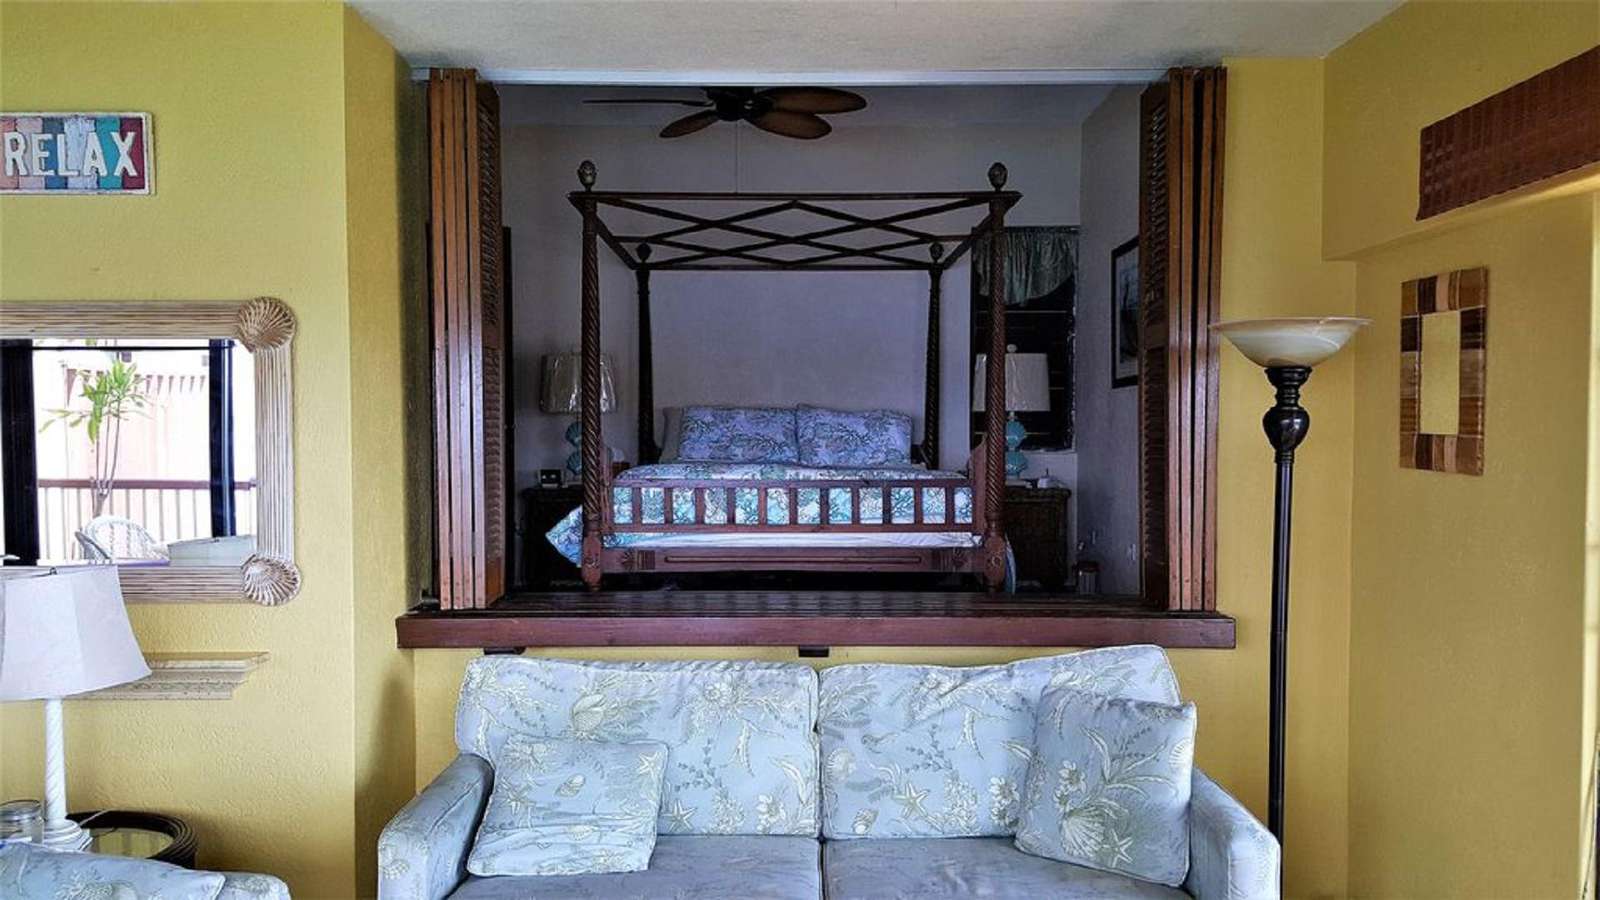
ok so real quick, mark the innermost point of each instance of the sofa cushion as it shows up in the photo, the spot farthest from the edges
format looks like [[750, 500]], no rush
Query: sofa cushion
[[1108, 786], [991, 868], [567, 807], [933, 751], [28, 870], [702, 867], [742, 752]]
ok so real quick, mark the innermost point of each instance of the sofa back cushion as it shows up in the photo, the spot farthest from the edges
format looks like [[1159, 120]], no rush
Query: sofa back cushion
[[741, 739], [933, 751]]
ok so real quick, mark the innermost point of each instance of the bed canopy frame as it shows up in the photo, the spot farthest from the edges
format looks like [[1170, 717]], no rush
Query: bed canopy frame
[[891, 239]]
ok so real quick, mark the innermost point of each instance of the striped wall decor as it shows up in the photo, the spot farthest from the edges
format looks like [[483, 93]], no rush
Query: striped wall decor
[[1465, 291], [75, 153]]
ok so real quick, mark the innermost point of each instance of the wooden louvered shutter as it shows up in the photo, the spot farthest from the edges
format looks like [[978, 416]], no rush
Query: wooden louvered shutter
[[469, 348], [1180, 240]]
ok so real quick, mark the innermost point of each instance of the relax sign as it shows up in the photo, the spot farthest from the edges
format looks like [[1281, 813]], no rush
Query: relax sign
[[75, 153]]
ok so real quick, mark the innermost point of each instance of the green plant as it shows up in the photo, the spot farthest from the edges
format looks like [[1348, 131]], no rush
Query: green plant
[[113, 395]]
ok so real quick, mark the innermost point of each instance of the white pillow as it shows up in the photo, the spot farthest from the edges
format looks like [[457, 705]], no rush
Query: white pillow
[[1108, 785], [569, 807], [672, 417]]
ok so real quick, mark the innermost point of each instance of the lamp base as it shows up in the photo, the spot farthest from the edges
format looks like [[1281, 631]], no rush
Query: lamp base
[[1016, 463], [575, 438], [64, 835]]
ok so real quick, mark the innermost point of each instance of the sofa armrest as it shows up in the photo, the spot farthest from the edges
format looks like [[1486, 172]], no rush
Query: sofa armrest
[[245, 886], [1232, 856], [422, 853]]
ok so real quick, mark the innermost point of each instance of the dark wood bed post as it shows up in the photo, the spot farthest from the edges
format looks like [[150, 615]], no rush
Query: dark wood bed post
[[594, 462], [649, 451], [994, 402], [930, 395]]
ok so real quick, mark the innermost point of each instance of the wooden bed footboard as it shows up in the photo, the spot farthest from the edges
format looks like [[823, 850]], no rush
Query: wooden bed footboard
[[788, 507]]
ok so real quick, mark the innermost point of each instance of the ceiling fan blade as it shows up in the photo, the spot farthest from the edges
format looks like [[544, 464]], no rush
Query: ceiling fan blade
[[814, 99], [792, 124], [655, 101], [689, 124]]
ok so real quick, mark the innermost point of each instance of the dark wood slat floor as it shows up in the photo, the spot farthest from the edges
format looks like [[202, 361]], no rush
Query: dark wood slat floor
[[807, 618]]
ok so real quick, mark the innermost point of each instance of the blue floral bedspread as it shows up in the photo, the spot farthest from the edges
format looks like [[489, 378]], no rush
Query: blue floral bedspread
[[567, 536]]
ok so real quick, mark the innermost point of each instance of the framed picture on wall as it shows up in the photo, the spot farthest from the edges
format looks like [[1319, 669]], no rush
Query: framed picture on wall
[[1125, 314]]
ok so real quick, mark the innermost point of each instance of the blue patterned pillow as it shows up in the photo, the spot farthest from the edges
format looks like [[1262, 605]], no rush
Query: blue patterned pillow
[[832, 437], [737, 434], [570, 807], [1108, 785], [28, 870]]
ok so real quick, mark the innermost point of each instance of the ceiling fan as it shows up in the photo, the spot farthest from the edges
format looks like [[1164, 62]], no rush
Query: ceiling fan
[[794, 112]]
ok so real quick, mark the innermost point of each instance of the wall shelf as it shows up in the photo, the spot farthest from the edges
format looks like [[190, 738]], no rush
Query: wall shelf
[[186, 676], [806, 618]]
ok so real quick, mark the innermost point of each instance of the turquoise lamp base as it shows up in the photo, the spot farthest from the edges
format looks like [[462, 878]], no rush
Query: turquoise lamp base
[[1016, 463], [575, 459]]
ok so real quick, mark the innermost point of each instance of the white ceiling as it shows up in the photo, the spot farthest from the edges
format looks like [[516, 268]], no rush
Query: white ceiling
[[921, 107], [881, 40]]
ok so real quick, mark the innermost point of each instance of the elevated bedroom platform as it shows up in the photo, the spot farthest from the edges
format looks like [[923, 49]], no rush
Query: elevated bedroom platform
[[811, 620]]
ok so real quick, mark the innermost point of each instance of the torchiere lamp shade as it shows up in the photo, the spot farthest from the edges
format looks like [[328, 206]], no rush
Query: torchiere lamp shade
[[562, 390], [1027, 381], [65, 633], [1290, 341]]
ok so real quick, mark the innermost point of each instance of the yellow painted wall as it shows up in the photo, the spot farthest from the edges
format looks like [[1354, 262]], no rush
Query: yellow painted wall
[[1470, 728], [385, 256], [1271, 264], [250, 143]]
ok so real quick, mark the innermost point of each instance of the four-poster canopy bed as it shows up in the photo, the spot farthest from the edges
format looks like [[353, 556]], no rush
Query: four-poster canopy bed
[[819, 520]]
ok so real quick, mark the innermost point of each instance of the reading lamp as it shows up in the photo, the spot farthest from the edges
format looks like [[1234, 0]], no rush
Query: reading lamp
[[63, 632], [563, 393], [1288, 348], [1027, 390]]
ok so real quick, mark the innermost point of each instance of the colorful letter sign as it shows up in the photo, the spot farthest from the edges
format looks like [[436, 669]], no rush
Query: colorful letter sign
[[75, 153]]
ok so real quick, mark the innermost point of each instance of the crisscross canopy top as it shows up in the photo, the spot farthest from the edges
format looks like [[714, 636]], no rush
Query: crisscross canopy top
[[811, 231]]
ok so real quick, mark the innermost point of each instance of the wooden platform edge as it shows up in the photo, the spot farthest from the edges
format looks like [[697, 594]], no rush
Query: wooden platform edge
[[421, 629]]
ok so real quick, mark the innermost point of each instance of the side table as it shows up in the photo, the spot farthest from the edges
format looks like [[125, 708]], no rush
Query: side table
[[142, 835]]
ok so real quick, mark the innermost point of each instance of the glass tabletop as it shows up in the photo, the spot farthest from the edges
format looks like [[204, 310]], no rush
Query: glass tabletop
[[139, 843]]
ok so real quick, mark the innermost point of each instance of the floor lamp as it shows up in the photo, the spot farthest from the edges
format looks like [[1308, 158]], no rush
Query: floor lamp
[[1288, 348]]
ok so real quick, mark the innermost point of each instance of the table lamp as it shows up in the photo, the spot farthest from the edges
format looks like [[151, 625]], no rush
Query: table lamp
[[1027, 390], [1288, 349], [562, 392], [63, 632]]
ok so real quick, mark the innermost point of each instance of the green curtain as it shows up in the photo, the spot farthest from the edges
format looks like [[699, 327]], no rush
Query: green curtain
[[1039, 260]]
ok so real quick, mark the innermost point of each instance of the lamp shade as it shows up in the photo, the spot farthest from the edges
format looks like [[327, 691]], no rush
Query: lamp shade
[[562, 390], [1291, 341], [1027, 381], [65, 633]]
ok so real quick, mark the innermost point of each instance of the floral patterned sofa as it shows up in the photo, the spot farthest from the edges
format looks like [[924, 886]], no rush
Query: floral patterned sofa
[[866, 782]]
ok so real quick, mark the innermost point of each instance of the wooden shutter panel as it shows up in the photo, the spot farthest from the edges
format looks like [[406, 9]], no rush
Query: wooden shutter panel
[[469, 347], [1180, 230]]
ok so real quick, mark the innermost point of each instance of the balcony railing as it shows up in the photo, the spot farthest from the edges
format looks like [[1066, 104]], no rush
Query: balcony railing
[[171, 510]]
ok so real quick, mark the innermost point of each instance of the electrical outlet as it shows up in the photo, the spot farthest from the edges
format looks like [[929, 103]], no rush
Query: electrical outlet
[[1132, 552]]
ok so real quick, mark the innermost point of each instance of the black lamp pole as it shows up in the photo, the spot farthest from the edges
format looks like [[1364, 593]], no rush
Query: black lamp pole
[[1286, 424]]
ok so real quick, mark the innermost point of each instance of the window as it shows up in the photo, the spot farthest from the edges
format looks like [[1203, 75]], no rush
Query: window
[[117, 448]]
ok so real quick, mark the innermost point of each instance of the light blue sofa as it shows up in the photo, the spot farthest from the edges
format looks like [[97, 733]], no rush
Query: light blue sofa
[[870, 782], [29, 872]]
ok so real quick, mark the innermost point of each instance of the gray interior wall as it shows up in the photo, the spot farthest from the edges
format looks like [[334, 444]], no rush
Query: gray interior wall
[[853, 340], [1107, 424]]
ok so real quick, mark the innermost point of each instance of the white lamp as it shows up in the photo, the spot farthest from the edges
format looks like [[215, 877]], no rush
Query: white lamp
[[562, 392], [1027, 390], [63, 632]]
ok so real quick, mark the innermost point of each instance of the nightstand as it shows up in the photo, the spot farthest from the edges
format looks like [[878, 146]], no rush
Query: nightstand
[[1037, 526], [140, 835], [542, 507]]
